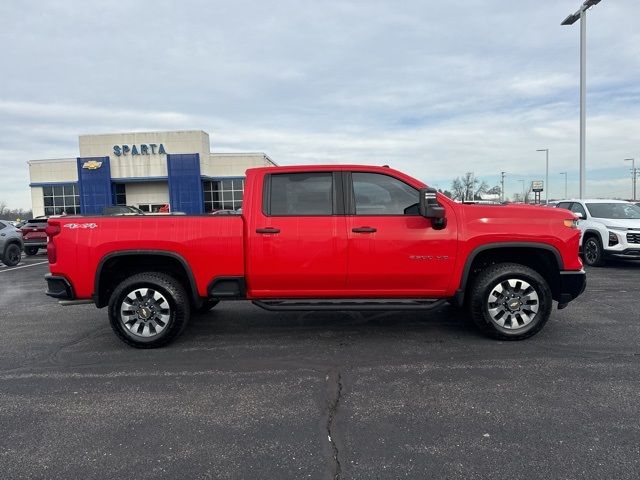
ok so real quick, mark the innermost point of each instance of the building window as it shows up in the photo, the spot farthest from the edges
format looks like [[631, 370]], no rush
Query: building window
[[224, 194], [151, 207], [119, 193], [61, 199]]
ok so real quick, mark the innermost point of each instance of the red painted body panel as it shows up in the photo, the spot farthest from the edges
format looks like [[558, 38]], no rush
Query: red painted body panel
[[210, 245], [316, 256]]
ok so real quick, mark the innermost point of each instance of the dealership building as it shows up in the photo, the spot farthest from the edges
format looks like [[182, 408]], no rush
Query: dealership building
[[145, 169]]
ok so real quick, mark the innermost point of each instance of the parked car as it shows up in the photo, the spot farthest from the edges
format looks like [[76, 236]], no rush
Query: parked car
[[10, 244], [225, 212], [34, 235], [322, 238], [609, 228], [122, 210]]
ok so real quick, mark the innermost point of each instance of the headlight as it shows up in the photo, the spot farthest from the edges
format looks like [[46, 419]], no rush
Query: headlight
[[618, 229], [571, 222], [613, 239]]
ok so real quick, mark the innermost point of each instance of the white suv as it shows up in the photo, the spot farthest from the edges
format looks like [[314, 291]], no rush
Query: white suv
[[609, 228]]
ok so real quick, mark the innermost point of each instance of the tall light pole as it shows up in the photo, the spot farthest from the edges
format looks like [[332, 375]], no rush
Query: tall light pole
[[565, 184], [502, 174], [546, 182], [633, 175], [581, 15]]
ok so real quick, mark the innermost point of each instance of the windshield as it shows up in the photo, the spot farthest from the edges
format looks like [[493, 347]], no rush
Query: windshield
[[622, 211]]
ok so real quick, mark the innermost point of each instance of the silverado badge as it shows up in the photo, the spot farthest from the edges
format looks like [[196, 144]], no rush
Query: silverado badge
[[92, 165]]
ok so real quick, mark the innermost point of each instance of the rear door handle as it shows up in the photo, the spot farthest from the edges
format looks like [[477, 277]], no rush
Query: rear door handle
[[268, 230], [364, 230]]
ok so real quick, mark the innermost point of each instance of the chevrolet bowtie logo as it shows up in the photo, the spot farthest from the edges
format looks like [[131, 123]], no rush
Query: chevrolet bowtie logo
[[92, 165]]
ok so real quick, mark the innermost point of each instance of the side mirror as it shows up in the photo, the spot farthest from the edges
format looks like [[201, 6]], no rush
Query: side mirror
[[579, 215], [428, 204]]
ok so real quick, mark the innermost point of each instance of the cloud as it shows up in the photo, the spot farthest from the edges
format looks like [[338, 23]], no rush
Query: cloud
[[426, 88]]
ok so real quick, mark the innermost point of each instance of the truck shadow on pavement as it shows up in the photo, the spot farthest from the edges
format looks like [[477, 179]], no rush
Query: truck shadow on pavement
[[444, 322]]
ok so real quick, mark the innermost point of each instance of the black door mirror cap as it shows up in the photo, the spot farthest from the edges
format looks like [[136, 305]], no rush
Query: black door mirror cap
[[428, 203]]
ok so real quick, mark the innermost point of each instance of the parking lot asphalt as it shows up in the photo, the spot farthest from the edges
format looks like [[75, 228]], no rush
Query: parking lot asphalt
[[246, 393]]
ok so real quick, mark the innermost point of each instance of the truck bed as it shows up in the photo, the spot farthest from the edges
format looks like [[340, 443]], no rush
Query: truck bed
[[212, 246]]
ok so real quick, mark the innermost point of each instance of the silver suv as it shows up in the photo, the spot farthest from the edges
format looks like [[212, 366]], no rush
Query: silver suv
[[10, 244]]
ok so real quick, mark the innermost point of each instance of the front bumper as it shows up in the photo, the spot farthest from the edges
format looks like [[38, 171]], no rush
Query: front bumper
[[631, 253], [572, 284], [59, 287]]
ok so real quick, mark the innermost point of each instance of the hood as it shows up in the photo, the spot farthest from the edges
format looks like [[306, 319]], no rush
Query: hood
[[516, 210], [622, 223]]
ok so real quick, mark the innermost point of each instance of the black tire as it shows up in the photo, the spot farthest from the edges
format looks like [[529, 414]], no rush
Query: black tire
[[172, 293], [31, 251], [527, 322], [206, 306], [12, 255], [592, 251]]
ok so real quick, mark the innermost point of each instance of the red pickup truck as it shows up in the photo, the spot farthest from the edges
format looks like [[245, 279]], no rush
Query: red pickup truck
[[321, 237]]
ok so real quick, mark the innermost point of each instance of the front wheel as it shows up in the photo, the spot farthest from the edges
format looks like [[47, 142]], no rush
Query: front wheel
[[592, 252], [149, 310], [12, 255], [510, 301], [30, 250]]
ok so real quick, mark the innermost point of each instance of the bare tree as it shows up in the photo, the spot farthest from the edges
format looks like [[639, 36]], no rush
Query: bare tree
[[467, 187], [12, 213], [457, 189]]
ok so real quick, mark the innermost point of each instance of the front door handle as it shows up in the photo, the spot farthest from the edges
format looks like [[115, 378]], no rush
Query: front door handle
[[364, 230], [268, 230]]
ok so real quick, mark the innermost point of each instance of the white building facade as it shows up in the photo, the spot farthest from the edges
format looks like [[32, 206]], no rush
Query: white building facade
[[147, 170]]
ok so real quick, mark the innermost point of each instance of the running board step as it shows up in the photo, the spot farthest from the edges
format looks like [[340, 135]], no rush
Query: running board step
[[349, 304]]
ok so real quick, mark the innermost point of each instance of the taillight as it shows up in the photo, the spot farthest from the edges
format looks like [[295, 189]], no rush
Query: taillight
[[52, 230]]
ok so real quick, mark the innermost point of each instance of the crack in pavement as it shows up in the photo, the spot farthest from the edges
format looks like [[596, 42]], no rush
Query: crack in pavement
[[334, 380]]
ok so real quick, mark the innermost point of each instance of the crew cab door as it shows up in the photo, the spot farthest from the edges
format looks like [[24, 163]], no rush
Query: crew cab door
[[393, 251], [297, 243]]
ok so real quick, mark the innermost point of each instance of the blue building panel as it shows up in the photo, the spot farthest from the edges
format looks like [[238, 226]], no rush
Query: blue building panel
[[185, 183], [94, 180]]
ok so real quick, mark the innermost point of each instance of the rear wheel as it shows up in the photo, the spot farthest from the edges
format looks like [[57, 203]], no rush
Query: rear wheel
[[30, 250], [149, 310], [510, 301], [592, 252], [12, 255]]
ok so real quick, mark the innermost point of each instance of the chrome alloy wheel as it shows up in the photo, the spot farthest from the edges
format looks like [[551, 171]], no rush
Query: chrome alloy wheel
[[513, 304], [145, 312]]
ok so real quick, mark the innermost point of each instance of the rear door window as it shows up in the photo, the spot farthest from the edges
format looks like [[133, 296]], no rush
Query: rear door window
[[300, 194]]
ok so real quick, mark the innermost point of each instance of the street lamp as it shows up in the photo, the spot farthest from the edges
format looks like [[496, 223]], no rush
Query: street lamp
[[546, 182], [502, 174], [633, 175], [581, 15], [565, 184]]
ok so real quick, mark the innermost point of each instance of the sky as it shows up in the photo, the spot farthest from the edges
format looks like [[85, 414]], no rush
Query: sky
[[435, 89]]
